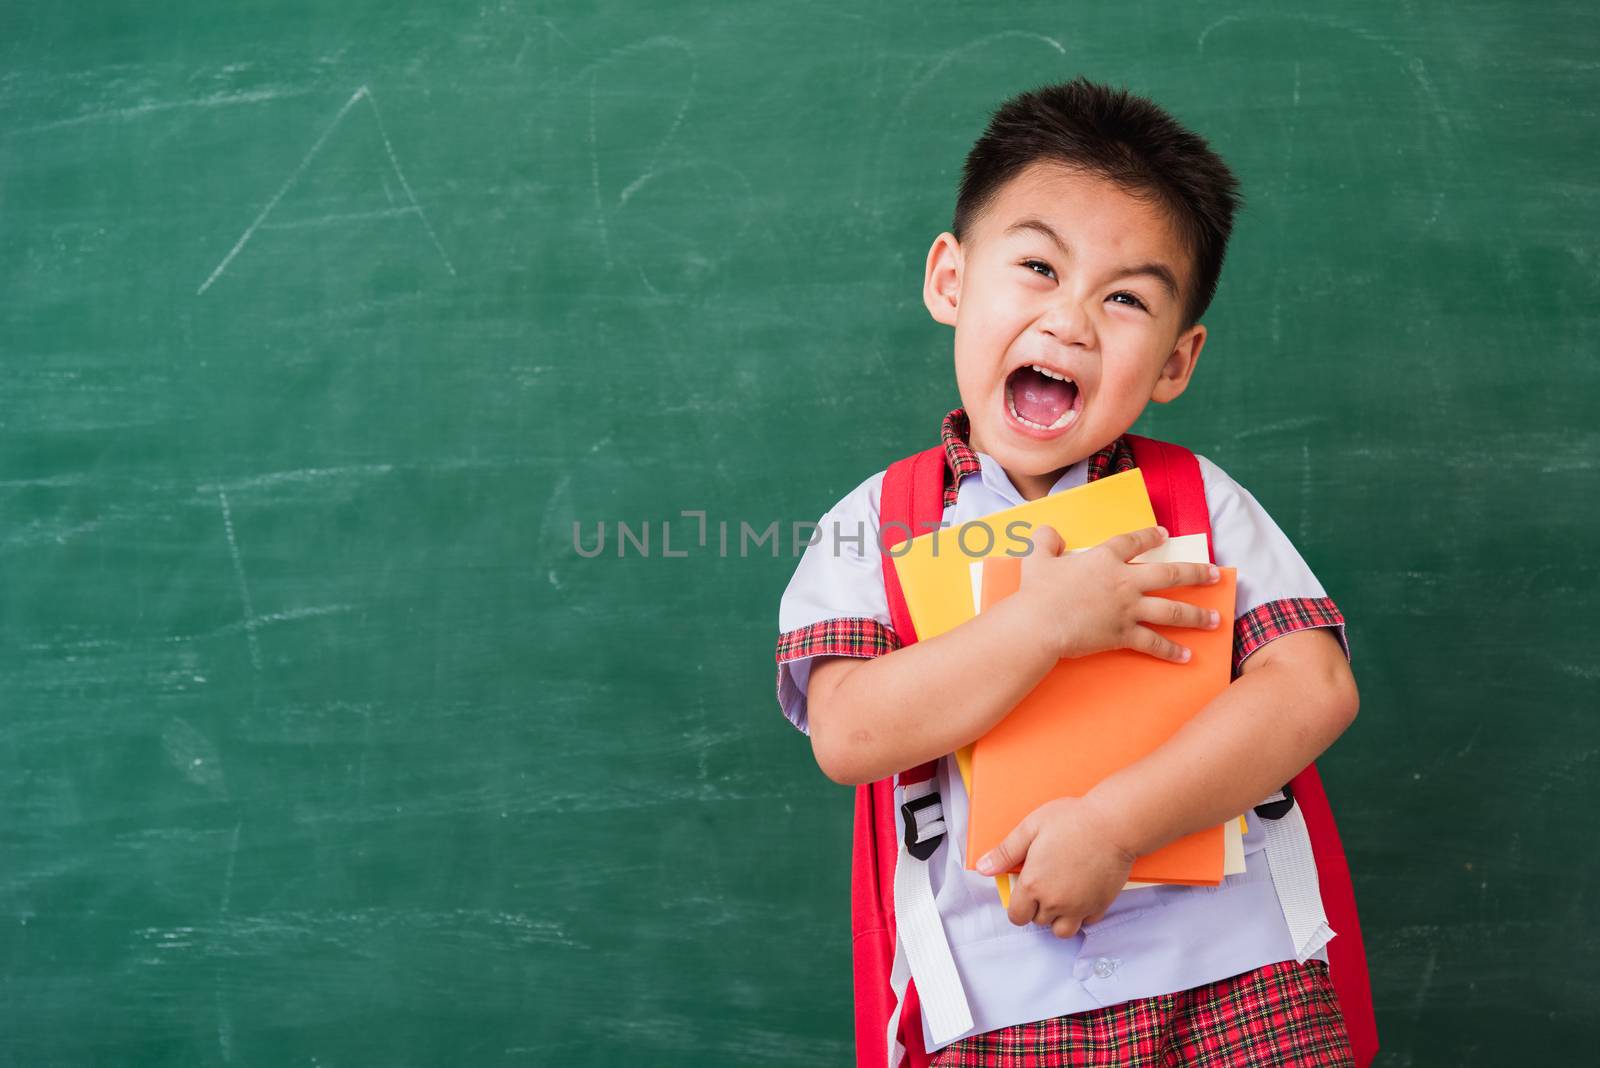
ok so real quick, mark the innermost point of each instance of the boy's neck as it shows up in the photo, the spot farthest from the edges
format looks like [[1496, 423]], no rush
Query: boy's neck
[[1032, 487]]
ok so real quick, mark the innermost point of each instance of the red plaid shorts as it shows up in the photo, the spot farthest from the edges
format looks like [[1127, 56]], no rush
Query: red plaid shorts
[[1279, 1014]]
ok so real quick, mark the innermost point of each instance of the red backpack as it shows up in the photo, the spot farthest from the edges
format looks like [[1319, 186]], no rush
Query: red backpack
[[913, 496]]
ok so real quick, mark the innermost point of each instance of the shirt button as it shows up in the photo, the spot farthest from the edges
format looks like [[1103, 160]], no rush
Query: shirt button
[[1104, 967]]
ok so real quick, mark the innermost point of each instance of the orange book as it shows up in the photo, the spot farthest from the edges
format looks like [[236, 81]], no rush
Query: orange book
[[1091, 716]]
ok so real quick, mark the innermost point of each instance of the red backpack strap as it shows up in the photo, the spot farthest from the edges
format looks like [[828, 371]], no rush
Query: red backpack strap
[[1347, 954], [910, 502], [1177, 496], [1177, 492], [872, 930]]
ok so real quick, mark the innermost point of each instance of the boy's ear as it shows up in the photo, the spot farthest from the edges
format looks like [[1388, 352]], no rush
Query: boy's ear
[[1179, 368], [941, 280]]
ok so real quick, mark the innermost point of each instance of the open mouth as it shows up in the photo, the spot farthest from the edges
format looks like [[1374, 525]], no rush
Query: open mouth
[[1041, 399]]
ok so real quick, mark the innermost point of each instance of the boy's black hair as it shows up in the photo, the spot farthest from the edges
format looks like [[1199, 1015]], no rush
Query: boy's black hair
[[1125, 139]]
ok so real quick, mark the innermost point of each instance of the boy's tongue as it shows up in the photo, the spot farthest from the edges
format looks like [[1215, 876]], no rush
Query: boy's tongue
[[1039, 398]]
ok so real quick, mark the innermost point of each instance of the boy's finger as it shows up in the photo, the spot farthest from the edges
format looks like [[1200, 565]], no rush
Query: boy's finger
[[1009, 854], [1024, 906], [1065, 927], [1169, 613], [1046, 541], [1145, 640], [1135, 542], [1164, 576]]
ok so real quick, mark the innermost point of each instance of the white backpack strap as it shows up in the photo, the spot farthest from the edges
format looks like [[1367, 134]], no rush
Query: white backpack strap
[[1294, 874], [899, 975], [921, 948]]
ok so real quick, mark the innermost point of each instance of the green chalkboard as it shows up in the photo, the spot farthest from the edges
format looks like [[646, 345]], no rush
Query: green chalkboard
[[324, 322]]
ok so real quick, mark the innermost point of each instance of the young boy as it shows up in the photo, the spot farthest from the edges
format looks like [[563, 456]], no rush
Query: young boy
[[1089, 233]]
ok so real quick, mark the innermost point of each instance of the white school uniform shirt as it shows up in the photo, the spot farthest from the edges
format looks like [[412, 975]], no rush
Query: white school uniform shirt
[[1152, 941]]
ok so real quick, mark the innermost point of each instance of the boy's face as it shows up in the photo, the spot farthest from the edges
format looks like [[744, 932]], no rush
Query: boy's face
[[1069, 272]]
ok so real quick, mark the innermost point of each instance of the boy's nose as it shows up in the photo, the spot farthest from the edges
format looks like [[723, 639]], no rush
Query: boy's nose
[[1068, 323]]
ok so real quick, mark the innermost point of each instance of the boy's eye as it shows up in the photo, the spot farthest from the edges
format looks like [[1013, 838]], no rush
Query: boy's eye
[[1137, 303], [1035, 265]]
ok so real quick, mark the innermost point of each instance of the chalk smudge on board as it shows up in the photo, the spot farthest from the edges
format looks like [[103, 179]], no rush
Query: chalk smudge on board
[[139, 111], [192, 754], [250, 621]]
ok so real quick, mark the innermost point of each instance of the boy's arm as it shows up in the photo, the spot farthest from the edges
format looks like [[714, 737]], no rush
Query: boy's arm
[[1294, 696], [875, 718]]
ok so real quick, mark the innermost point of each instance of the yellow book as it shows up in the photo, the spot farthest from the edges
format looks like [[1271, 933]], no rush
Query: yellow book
[[933, 568]]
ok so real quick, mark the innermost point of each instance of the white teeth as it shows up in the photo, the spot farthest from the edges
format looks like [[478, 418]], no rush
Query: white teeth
[[1062, 422], [1050, 374]]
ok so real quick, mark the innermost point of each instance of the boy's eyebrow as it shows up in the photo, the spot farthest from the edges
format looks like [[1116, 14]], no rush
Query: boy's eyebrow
[[1159, 271], [1042, 227]]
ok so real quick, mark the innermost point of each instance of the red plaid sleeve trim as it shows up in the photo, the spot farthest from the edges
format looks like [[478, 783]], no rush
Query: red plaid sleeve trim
[[854, 636], [1274, 619]]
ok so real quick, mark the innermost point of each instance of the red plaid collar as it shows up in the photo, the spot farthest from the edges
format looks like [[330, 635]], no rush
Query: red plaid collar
[[961, 461]]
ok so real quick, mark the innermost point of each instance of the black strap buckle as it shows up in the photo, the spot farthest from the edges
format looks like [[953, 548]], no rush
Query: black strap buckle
[[921, 848], [1276, 810]]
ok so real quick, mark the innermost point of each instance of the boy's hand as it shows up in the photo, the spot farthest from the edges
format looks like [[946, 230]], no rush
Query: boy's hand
[[1092, 601], [1072, 868]]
